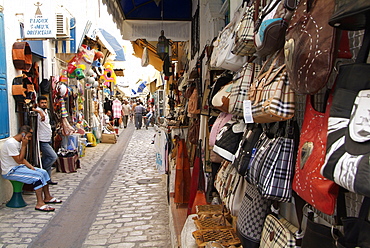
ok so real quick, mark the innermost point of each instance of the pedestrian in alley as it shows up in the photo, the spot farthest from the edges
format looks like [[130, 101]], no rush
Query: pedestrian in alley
[[126, 112], [44, 136], [15, 167], [117, 114], [149, 115], [139, 111]]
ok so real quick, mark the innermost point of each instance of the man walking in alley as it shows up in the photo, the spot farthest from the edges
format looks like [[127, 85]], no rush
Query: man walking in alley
[[126, 111], [15, 167], [44, 135], [139, 111]]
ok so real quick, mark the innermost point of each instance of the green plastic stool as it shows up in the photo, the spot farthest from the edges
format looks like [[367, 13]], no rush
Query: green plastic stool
[[17, 199]]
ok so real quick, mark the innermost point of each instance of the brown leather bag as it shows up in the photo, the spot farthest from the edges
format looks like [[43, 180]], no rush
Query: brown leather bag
[[310, 47]]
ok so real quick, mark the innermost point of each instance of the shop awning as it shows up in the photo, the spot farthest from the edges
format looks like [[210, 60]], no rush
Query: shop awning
[[154, 60], [37, 47], [118, 49]]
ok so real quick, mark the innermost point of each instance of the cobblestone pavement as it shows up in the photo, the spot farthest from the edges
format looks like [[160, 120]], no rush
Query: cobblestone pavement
[[134, 212]]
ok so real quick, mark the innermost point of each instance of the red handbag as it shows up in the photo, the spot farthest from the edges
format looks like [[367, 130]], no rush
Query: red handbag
[[308, 183]]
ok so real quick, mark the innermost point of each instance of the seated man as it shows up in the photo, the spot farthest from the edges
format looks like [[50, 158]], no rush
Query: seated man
[[15, 167]]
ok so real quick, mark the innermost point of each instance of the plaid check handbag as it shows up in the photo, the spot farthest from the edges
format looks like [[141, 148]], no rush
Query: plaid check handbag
[[275, 180], [240, 88], [277, 233], [244, 33], [271, 96]]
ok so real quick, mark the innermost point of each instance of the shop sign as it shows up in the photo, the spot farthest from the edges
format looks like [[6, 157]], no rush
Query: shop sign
[[39, 20]]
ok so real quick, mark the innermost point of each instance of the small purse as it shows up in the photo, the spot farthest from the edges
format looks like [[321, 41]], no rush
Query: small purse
[[228, 139], [271, 96], [277, 232]]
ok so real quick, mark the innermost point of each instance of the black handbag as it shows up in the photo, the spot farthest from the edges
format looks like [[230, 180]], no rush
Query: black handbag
[[357, 229], [244, 153], [347, 162], [350, 15]]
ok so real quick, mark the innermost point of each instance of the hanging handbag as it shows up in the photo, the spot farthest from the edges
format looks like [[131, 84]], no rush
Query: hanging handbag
[[347, 155], [240, 88], [320, 235], [350, 15], [275, 178], [308, 183], [277, 233], [357, 229], [271, 96], [271, 26], [227, 140], [221, 99], [252, 214], [244, 153], [221, 120], [310, 47], [182, 175], [244, 32], [226, 59]]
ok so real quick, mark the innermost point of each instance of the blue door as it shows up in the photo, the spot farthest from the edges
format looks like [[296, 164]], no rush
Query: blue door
[[4, 107]]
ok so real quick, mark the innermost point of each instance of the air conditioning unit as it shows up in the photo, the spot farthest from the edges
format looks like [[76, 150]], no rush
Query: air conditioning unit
[[62, 27]]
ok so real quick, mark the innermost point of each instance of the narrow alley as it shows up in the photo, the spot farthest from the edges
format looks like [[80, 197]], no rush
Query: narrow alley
[[116, 199]]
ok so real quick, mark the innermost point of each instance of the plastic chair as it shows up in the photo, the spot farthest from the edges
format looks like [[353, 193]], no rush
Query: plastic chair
[[17, 200]]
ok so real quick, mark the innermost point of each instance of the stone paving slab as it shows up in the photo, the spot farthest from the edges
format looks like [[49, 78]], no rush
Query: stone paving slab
[[132, 214]]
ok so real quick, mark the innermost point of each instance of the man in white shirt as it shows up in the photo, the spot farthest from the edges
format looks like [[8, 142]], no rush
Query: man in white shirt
[[44, 134], [15, 167], [126, 111]]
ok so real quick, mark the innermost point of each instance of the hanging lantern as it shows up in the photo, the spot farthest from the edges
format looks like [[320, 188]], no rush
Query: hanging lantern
[[163, 46]]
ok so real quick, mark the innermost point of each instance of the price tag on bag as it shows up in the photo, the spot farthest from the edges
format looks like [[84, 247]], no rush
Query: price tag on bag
[[247, 111]]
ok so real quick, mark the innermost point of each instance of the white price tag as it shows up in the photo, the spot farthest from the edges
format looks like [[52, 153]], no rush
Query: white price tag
[[247, 111]]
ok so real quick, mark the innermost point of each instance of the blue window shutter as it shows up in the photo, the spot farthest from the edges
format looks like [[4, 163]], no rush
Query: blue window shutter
[[4, 109]]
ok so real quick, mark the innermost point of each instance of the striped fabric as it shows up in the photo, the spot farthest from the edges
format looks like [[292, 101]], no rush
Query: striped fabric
[[275, 234], [276, 173], [244, 40]]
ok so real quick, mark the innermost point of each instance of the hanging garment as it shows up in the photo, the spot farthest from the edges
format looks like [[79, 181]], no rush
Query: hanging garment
[[182, 178]]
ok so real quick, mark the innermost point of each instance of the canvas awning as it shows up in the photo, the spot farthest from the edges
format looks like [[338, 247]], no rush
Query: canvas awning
[[154, 60], [112, 41]]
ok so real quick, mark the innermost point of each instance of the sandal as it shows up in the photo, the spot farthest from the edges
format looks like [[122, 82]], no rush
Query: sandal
[[45, 208], [54, 201]]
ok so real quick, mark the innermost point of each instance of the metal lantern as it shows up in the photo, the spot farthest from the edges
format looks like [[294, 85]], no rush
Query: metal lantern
[[163, 46]]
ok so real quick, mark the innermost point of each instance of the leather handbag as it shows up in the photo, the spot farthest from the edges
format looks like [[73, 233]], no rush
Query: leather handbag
[[244, 153], [271, 96], [228, 139], [221, 99], [320, 235], [271, 26], [277, 233], [310, 47], [220, 121], [348, 146], [244, 33], [350, 15], [357, 229], [225, 58], [308, 183], [240, 88]]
